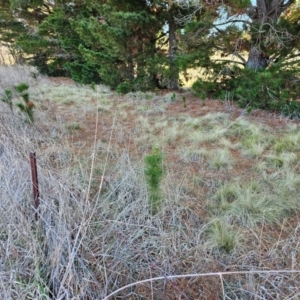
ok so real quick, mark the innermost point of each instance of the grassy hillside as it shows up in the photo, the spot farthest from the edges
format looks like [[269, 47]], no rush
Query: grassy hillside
[[228, 197]]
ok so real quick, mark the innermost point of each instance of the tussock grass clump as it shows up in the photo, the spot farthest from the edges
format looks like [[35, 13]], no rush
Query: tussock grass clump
[[254, 204], [191, 154], [222, 236], [198, 137], [208, 121], [73, 126], [290, 142], [172, 133], [143, 124], [216, 118], [283, 159], [254, 144], [285, 183], [221, 159], [194, 123], [254, 151], [242, 127]]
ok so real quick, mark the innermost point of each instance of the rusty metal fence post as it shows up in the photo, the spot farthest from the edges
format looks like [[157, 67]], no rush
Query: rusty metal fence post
[[35, 185]]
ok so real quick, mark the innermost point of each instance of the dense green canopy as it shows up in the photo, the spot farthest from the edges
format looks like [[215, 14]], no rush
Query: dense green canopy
[[145, 44]]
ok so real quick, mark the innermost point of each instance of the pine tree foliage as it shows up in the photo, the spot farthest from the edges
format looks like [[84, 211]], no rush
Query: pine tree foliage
[[120, 38], [255, 42], [144, 44]]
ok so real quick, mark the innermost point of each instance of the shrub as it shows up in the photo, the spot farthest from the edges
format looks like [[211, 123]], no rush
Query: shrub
[[83, 72], [124, 88], [274, 88], [204, 89]]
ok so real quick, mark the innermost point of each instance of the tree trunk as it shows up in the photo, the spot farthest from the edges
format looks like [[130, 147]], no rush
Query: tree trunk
[[174, 72], [257, 59]]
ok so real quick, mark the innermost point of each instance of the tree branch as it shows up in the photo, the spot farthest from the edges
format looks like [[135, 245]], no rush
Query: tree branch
[[235, 53], [161, 36], [219, 48], [230, 61], [240, 57], [232, 21]]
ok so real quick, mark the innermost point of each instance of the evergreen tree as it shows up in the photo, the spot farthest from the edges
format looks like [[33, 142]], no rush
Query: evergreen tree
[[120, 37], [263, 39], [132, 44], [261, 30], [19, 20]]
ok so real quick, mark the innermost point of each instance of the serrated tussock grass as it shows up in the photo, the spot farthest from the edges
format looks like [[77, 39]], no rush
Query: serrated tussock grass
[[290, 142], [248, 205], [220, 159], [222, 236]]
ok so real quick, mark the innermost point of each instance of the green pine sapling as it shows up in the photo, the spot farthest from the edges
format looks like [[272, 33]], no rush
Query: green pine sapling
[[27, 106], [154, 173], [184, 101]]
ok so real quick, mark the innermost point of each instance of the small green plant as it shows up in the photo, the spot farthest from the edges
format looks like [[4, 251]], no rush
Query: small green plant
[[154, 173], [222, 236], [124, 88], [93, 86], [7, 98], [287, 143], [34, 75], [184, 101], [27, 106], [73, 126], [148, 96], [173, 97], [204, 89], [283, 159]]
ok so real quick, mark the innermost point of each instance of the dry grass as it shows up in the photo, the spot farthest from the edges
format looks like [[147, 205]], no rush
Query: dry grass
[[230, 198]]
